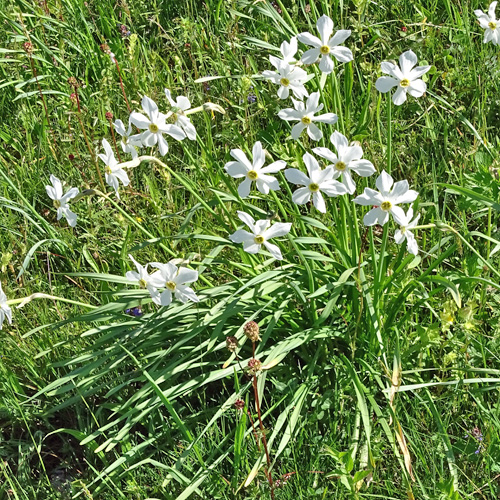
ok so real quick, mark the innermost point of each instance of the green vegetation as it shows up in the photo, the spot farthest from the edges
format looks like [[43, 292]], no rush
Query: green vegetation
[[381, 369]]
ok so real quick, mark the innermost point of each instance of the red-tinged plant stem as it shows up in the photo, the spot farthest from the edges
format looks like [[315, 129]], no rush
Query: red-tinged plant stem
[[77, 97], [255, 435], [264, 440], [121, 85]]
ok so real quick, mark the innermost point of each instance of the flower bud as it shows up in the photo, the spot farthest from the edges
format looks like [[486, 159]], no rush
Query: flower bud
[[73, 98], [239, 404], [251, 330], [73, 82], [254, 366], [231, 343], [109, 115], [28, 47], [105, 48]]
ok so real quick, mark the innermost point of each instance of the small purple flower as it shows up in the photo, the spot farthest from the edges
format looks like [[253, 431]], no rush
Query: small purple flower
[[134, 311]]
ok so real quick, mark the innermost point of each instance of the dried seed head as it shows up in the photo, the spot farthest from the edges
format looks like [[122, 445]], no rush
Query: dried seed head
[[251, 330], [105, 48], [109, 115], [28, 47], [239, 404], [254, 366], [231, 343]]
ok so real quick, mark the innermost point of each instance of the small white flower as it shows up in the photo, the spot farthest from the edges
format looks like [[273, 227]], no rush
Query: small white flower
[[55, 192], [180, 105], [113, 171], [5, 310], [174, 280], [319, 181], [289, 78], [490, 23], [260, 235], [154, 126], [326, 45], [254, 171], [304, 114], [128, 140], [404, 232], [142, 278], [385, 200], [405, 77], [347, 158]]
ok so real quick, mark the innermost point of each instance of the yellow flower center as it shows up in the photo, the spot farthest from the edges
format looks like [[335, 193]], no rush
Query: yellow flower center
[[313, 187], [142, 283], [325, 50], [404, 83], [252, 175], [386, 205], [107, 169], [171, 285], [153, 128], [57, 204], [306, 120], [259, 239], [492, 25], [340, 165], [402, 229], [285, 82]]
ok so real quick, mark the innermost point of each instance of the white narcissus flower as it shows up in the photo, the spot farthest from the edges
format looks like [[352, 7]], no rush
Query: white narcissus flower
[[261, 233], [386, 200], [154, 126], [142, 278], [55, 192], [5, 310], [254, 171], [304, 114], [128, 140], [347, 159], [113, 171], [288, 51], [406, 78], [326, 46], [289, 78], [174, 280], [490, 23], [404, 232], [180, 105], [319, 181]]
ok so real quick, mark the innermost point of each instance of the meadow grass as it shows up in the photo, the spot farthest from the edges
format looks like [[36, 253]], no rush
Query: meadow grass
[[95, 403]]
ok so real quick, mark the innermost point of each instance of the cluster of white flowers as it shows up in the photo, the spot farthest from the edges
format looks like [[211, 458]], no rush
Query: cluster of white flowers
[[169, 277], [152, 126], [337, 178]]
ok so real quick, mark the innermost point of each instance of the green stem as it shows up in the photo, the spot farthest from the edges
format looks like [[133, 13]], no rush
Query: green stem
[[26, 300], [389, 134]]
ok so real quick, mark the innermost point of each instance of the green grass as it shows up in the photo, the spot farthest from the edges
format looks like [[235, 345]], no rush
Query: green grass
[[97, 404]]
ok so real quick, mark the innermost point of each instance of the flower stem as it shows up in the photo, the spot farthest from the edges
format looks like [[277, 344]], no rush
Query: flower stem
[[264, 440], [389, 135], [121, 85]]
